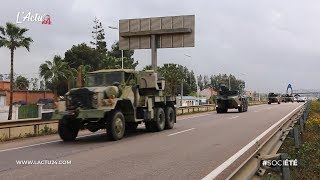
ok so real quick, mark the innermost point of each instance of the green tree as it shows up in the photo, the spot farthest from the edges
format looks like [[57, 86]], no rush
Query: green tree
[[128, 60], [98, 36], [110, 62], [82, 54], [84, 71], [34, 82], [42, 85], [217, 80], [173, 74], [21, 83], [13, 37], [56, 72], [200, 82], [147, 67], [206, 81]]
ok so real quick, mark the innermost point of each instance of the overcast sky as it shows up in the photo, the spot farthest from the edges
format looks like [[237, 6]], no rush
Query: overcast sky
[[267, 43]]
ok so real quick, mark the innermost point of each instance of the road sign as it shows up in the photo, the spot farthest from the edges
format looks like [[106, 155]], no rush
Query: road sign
[[169, 32]]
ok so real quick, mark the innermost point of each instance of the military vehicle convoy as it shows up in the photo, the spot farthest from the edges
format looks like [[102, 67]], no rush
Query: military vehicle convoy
[[117, 100], [274, 98], [227, 99]]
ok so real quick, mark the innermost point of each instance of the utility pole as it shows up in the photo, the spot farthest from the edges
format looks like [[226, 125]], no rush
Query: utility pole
[[112, 27]]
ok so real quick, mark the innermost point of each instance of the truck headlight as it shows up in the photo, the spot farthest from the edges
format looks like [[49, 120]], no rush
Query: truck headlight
[[95, 100]]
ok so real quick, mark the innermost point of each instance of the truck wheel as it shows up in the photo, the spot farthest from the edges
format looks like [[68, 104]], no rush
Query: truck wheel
[[170, 118], [68, 129], [240, 109], [269, 102], [116, 126], [278, 102], [159, 119], [218, 110], [131, 126]]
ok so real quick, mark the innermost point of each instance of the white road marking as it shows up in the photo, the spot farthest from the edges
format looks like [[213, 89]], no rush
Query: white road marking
[[32, 145], [255, 111], [181, 132], [190, 117], [234, 117], [213, 174]]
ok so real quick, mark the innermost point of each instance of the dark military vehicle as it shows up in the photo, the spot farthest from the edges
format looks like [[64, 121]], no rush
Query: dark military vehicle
[[228, 99], [274, 98]]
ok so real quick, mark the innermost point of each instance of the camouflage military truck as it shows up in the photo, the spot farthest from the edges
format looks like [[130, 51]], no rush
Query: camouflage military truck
[[274, 98], [287, 98], [227, 99], [117, 100]]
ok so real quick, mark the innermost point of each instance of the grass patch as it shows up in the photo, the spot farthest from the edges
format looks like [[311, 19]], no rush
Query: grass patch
[[309, 153]]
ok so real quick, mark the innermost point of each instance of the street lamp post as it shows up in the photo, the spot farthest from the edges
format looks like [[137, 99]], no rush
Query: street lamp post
[[112, 27]]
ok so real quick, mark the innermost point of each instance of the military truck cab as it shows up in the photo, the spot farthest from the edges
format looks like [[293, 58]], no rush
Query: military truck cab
[[117, 100]]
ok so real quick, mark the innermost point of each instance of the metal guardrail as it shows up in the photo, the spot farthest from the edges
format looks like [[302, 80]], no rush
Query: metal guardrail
[[16, 124], [267, 146]]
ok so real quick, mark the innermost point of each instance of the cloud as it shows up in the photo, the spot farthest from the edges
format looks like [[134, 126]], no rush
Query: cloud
[[273, 42]]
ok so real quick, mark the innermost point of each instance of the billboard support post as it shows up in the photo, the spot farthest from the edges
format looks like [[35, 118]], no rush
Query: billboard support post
[[154, 52]]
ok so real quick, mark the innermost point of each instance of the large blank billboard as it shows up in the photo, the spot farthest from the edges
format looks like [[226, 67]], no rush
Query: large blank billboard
[[171, 32]]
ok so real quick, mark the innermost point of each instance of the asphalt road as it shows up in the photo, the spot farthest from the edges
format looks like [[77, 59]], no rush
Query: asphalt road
[[197, 145]]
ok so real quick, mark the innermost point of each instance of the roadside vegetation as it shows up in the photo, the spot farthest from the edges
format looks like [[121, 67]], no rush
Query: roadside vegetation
[[308, 155], [42, 132]]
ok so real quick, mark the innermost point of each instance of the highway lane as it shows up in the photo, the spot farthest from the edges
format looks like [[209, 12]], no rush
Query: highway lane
[[197, 145]]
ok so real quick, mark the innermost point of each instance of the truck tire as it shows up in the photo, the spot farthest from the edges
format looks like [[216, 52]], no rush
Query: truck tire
[[170, 117], [279, 102], [68, 129], [116, 126], [240, 109], [131, 126], [159, 120]]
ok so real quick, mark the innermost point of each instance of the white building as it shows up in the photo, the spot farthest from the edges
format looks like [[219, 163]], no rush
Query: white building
[[190, 101]]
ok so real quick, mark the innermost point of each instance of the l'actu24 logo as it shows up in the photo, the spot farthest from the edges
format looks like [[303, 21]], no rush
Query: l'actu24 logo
[[36, 17]]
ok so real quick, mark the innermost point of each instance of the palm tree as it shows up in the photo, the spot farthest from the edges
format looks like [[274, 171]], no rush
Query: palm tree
[[84, 71], [12, 37], [56, 71]]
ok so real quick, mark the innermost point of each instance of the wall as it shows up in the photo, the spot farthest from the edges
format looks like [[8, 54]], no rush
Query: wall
[[31, 97], [4, 85]]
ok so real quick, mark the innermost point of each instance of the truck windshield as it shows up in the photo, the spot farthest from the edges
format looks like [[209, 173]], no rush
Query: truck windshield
[[103, 79]]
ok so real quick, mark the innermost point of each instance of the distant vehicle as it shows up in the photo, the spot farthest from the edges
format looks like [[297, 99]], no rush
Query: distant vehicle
[[21, 102], [301, 99], [274, 98], [227, 99], [287, 98], [47, 108]]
